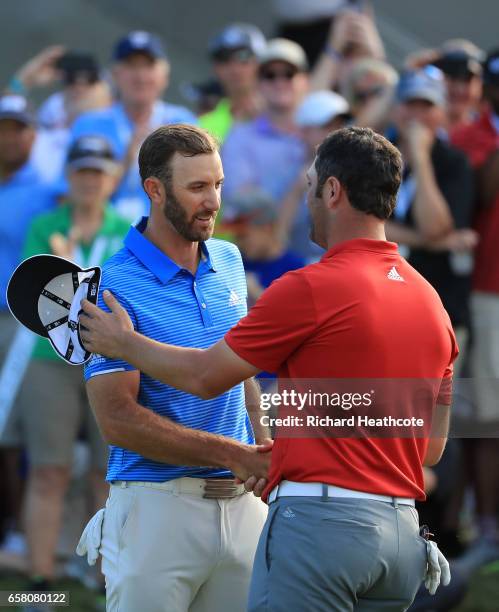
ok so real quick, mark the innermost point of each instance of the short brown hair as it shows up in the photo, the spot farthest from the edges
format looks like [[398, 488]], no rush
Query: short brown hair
[[159, 147], [366, 164]]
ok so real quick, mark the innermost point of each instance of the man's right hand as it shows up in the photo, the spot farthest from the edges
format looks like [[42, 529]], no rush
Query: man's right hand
[[251, 465]]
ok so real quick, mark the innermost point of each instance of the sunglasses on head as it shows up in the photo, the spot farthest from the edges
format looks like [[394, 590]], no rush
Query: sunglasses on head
[[286, 74]]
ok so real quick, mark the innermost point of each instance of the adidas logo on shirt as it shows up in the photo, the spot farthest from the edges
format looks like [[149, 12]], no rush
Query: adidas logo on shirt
[[394, 275], [234, 299]]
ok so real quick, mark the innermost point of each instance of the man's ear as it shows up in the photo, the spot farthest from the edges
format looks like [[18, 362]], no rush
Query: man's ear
[[332, 192], [155, 190]]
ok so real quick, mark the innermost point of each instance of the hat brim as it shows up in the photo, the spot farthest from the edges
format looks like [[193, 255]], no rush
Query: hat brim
[[24, 118], [108, 166], [422, 94], [268, 59], [49, 287], [26, 284]]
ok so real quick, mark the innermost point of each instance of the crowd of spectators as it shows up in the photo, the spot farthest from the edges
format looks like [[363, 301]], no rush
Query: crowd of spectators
[[70, 183]]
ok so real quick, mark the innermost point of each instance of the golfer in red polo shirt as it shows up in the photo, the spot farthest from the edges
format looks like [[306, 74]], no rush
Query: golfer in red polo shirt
[[342, 532]]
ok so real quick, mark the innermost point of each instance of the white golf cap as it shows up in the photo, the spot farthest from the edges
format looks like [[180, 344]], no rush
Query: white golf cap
[[44, 294], [321, 107], [284, 50]]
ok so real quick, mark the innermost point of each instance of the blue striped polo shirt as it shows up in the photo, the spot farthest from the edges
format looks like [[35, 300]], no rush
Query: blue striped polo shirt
[[167, 303]]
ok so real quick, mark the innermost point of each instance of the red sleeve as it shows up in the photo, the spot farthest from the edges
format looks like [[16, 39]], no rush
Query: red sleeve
[[280, 321], [445, 392], [478, 143]]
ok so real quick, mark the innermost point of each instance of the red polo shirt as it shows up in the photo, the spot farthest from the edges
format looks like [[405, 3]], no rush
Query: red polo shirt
[[479, 140], [362, 312]]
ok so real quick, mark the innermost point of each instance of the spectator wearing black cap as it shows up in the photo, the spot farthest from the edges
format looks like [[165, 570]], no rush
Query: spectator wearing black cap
[[141, 72], [52, 399], [480, 141], [268, 152], [77, 72], [234, 54], [22, 195], [80, 88], [461, 62]]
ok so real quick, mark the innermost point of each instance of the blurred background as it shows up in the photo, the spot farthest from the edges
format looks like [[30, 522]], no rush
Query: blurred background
[[82, 83]]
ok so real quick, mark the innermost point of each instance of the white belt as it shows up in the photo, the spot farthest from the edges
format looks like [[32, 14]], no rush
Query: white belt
[[286, 488]]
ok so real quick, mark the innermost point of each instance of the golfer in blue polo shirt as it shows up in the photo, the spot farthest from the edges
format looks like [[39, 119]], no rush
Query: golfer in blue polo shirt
[[178, 533]]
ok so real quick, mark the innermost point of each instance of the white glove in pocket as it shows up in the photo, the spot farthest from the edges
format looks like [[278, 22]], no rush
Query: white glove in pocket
[[90, 540], [437, 570]]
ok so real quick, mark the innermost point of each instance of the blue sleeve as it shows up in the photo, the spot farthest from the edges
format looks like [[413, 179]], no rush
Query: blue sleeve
[[98, 364], [237, 163]]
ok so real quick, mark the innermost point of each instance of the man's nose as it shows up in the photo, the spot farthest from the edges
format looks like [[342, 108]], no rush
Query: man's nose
[[212, 201]]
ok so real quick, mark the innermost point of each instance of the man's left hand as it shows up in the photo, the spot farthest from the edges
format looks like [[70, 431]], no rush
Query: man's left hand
[[104, 332]]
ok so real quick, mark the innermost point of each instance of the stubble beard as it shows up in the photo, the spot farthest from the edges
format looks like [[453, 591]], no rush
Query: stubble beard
[[177, 216]]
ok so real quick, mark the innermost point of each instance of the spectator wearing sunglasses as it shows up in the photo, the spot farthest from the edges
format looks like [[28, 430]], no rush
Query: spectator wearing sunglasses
[[268, 152], [460, 61], [234, 55], [369, 88]]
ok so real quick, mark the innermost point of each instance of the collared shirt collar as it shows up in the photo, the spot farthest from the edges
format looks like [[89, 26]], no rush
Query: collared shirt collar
[[362, 244], [154, 259]]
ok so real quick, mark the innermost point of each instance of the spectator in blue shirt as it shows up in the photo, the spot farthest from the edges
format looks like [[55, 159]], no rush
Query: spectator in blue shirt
[[267, 153], [265, 256], [22, 192], [141, 73], [22, 196]]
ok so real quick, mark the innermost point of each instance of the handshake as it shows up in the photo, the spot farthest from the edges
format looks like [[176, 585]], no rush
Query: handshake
[[250, 465]]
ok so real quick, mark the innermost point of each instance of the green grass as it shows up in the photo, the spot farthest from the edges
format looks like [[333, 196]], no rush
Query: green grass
[[483, 595]]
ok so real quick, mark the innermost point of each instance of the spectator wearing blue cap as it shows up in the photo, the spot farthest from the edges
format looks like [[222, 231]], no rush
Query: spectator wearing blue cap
[[141, 72], [434, 206], [460, 60], [234, 54], [23, 195]]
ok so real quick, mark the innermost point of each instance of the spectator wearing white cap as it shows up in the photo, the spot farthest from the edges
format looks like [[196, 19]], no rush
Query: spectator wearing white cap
[[234, 55], [320, 113], [141, 73], [268, 152]]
